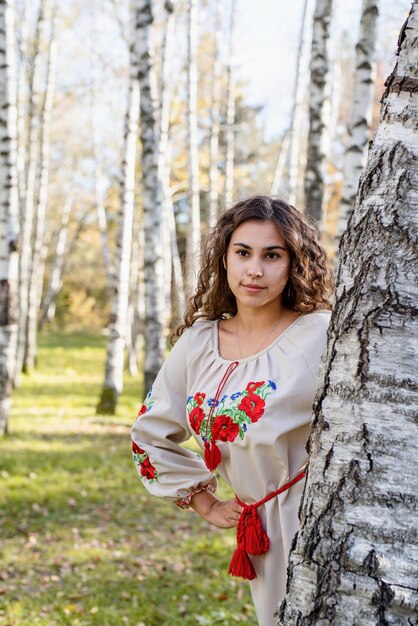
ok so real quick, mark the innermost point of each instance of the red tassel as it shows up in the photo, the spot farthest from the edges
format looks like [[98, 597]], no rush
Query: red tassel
[[241, 565], [212, 455], [255, 538]]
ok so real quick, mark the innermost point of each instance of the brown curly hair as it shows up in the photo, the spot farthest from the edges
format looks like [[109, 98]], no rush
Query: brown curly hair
[[310, 281]]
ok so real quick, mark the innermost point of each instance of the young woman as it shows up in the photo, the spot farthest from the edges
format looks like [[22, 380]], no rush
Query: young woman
[[241, 380]]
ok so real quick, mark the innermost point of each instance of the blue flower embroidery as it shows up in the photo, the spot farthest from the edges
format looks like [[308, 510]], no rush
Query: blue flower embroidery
[[273, 385], [236, 395], [213, 402]]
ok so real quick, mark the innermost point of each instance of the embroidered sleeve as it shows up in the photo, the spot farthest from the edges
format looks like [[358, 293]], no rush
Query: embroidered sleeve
[[166, 468], [184, 503]]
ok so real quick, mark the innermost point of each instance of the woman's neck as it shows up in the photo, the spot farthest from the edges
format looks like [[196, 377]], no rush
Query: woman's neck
[[250, 320]]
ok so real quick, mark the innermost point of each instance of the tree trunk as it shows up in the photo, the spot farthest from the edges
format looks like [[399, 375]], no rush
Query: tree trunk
[[9, 217], [22, 86], [314, 182], [35, 283], [354, 560], [360, 117], [278, 177], [55, 281], [230, 114], [215, 119], [113, 383], [193, 235], [25, 258], [292, 191], [152, 196]]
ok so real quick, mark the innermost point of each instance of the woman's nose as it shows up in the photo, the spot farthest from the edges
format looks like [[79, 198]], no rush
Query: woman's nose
[[254, 271]]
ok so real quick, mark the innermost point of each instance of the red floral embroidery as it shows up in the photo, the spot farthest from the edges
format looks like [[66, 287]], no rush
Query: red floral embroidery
[[224, 428], [146, 467], [196, 418], [199, 397], [253, 406], [142, 410], [251, 387]]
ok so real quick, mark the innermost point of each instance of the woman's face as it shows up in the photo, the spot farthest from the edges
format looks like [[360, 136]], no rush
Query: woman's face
[[257, 264]]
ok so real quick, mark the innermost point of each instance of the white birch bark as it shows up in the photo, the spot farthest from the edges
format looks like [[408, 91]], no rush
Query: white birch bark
[[193, 235], [230, 114], [9, 218], [355, 558], [22, 86], [152, 195], [360, 116], [298, 109], [164, 154], [278, 177], [215, 118], [314, 177], [55, 281], [25, 257], [36, 275], [113, 382]]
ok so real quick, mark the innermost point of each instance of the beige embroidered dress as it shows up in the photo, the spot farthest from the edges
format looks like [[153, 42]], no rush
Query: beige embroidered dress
[[260, 423]]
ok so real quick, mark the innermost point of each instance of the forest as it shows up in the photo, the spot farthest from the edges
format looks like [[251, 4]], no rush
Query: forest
[[127, 128]]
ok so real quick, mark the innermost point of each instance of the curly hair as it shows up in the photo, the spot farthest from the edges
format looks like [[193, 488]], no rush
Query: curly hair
[[310, 283]]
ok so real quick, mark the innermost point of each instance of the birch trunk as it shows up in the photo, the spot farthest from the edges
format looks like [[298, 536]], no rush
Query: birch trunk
[[164, 154], [35, 282], [22, 86], [113, 382], [314, 181], [25, 258], [230, 115], [55, 282], [297, 112], [9, 218], [152, 196], [216, 119], [193, 235], [360, 117], [279, 171], [355, 558]]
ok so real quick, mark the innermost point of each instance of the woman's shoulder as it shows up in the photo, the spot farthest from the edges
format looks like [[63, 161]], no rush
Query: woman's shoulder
[[309, 331]]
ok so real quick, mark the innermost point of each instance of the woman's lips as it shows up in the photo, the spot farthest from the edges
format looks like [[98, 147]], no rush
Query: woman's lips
[[253, 288]]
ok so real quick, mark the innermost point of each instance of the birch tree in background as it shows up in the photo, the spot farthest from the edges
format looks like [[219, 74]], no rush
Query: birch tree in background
[[355, 558], [152, 196], [314, 181], [360, 116], [113, 382], [9, 218], [290, 188], [22, 86], [193, 234], [35, 274], [230, 113], [55, 280], [215, 118], [27, 217]]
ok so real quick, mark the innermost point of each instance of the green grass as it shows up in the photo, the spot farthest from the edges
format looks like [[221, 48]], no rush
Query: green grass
[[81, 541]]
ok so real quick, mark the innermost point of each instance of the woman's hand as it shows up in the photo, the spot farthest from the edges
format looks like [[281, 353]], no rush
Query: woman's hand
[[220, 513]]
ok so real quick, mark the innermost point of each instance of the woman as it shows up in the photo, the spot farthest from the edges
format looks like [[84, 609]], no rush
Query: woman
[[241, 380]]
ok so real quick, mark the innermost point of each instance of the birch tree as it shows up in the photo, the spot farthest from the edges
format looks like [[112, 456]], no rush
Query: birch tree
[[193, 235], [152, 194], [36, 275], [314, 183], [355, 558], [8, 210], [113, 382], [215, 118], [358, 126], [25, 257], [230, 113]]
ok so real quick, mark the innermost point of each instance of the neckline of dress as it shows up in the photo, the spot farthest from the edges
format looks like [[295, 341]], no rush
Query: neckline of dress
[[257, 354]]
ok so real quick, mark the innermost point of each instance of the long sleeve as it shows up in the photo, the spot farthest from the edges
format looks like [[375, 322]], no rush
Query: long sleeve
[[167, 469]]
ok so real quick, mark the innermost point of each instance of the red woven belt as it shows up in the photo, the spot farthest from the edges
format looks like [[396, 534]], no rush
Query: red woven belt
[[251, 536]]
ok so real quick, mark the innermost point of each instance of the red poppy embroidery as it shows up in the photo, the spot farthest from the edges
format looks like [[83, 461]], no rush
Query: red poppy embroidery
[[224, 429], [196, 418], [253, 406], [142, 410], [251, 387], [141, 459], [199, 397]]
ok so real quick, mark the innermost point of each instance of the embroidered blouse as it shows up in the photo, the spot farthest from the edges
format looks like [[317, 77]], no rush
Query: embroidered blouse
[[260, 424]]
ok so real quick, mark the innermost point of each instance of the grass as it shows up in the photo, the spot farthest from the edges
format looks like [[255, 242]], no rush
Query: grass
[[81, 541]]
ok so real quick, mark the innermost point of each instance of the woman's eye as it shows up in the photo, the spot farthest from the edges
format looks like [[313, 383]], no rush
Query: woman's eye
[[273, 255], [242, 252]]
